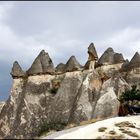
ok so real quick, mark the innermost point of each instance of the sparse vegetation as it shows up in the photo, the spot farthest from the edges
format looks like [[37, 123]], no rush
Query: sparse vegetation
[[125, 124], [90, 121], [113, 137], [128, 101], [130, 133], [130, 95], [102, 129], [47, 127]]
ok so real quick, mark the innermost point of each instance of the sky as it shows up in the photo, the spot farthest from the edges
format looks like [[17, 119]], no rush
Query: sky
[[64, 29]]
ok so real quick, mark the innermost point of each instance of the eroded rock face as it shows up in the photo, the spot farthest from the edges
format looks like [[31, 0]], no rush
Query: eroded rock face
[[108, 103], [124, 67], [1, 105], [80, 96], [72, 96]]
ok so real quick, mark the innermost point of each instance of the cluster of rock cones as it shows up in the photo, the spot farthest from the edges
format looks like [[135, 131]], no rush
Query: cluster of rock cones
[[43, 64]]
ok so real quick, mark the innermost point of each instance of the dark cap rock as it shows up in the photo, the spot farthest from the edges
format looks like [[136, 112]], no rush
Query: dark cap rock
[[118, 58], [17, 70], [60, 68], [135, 61], [72, 64], [42, 64], [107, 57], [92, 52]]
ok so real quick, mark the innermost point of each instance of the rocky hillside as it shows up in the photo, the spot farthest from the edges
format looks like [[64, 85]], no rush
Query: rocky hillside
[[67, 93]]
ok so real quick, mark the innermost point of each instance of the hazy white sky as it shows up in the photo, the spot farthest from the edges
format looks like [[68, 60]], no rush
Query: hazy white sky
[[64, 29]]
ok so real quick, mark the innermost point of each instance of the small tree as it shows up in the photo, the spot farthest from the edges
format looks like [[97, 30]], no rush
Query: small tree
[[130, 95]]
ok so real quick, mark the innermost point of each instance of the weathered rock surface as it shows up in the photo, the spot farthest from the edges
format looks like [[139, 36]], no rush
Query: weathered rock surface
[[72, 96], [124, 66], [72, 64], [107, 57], [1, 105], [118, 58], [41, 65], [92, 52], [60, 68], [81, 96], [135, 61], [17, 70]]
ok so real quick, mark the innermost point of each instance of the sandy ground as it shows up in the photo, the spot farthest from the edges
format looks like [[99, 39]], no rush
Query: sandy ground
[[91, 131]]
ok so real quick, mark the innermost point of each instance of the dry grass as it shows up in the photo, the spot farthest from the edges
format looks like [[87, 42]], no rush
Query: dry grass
[[70, 126], [125, 124], [82, 123], [90, 121], [113, 137], [130, 133], [102, 129]]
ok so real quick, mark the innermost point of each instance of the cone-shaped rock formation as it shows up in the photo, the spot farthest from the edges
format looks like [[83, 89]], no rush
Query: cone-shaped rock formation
[[72, 64], [17, 70], [42, 64], [135, 61], [107, 57]]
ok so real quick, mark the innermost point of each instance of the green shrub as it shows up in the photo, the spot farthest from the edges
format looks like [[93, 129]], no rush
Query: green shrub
[[46, 127], [130, 95]]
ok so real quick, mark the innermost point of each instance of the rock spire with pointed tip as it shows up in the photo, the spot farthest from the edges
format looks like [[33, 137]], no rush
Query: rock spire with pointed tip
[[92, 52], [42, 64], [107, 57], [72, 64], [135, 61], [17, 70]]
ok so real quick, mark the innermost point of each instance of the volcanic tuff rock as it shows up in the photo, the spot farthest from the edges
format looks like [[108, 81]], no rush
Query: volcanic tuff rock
[[107, 57], [72, 64], [118, 58], [80, 94], [60, 68], [135, 61], [42, 64], [1, 105], [92, 52], [124, 66], [17, 70]]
